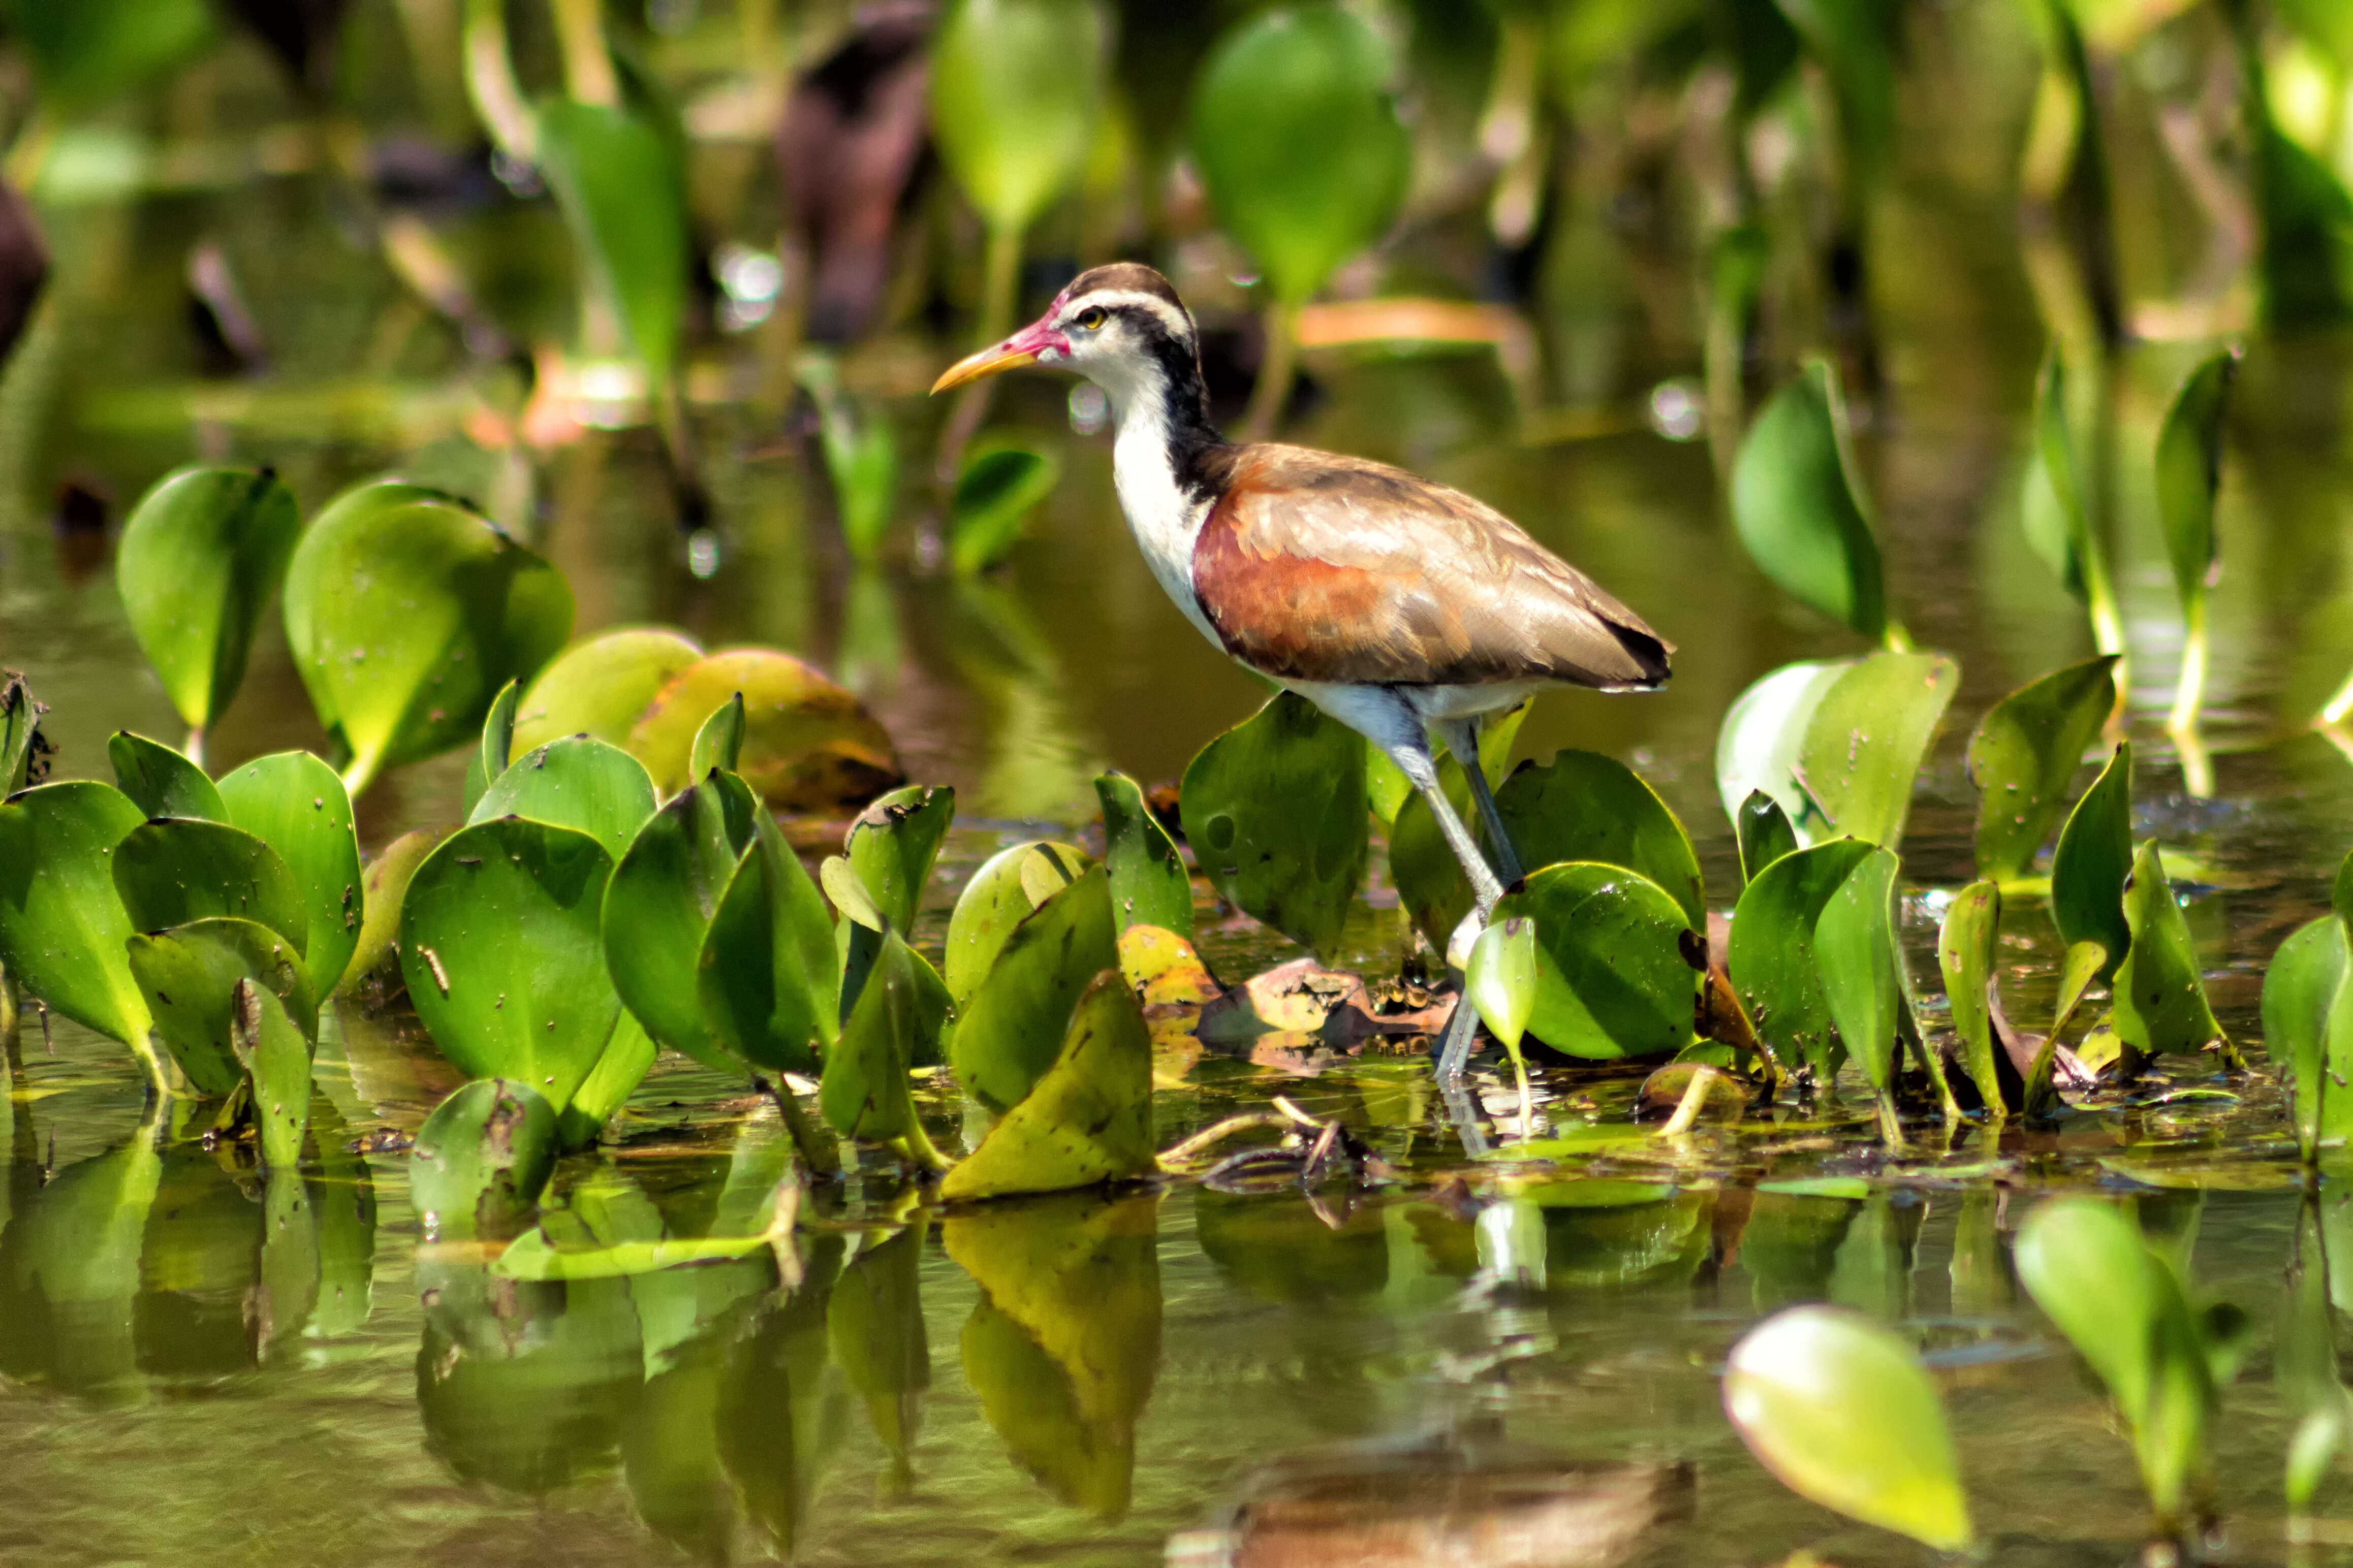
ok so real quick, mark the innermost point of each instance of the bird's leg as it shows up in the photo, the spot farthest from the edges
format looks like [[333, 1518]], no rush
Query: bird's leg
[[1461, 736], [1414, 760]]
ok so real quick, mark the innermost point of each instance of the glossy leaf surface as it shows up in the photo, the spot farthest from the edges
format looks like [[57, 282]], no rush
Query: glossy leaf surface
[[1148, 882], [1502, 979], [1772, 957], [1582, 805], [765, 971], [864, 1092], [175, 870], [578, 782], [1274, 809], [2308, 1031], [159, 781], [295, 803], [808, 745], [1764, 834], [1865, 740], [1002, 893], [2160, 993], [1799, 509], [658, 906], [1966, 953], [1610, 977], [62, 927], [1015, 85], [623, 192], [385, 884], [2024, 755], [1088, 1121], [893, 845], [189, 975], [481, 1159], [199, 557], [1855, 949], [2094, 857], [276, 1058], [1007, 1035], [602, 686], [1758, 748]]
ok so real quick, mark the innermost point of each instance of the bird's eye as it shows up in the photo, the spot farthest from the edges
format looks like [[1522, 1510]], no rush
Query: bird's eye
[[1090, 320]]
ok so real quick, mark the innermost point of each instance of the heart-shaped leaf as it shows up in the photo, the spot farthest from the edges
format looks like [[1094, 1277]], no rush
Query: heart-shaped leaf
[[893, 844], [199, 557], [482, 1160], [1764, 834], [623, 192], [159, 781], [1006, 1035], [1799, 507], [189, 977], [765, 971], [994, 496], [1965, 949], [2094, 857], [276, 1058], [295, 803], [1298, 140], [808, 745], [1855, 949], [864, 1092], [406, 612], [1014, 88], [1582, 805], [659, 907], [385, 884], [1772, 955], [500, 948], [1610, 977], [602, 686], [576, 782], [1502, 977], [1274, 809], [1088, 1121], [1840, 1410], [175, 870], [2025, 754], [1866, 738], [2160, 994], [1008, 887], [1759, 748], [61, 925], [2308, 1030]]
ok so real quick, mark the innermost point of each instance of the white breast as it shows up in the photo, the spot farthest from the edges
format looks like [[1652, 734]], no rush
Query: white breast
[[1164, 517]]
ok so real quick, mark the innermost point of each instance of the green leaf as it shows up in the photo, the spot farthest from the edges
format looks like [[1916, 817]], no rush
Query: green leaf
[[500, 948], [1299, 144], [1855, 947], [1006, 1035], [498, 743], [159, 781], [199, 558], [2341, 895], [864, 1092], [1865, 740], [276, 1056], [2057, 523], [1015, 85], [2025, 754], [482, 1160], [1966, 950], [189, 975], [2160, 999], [576, 782], [1610, 975], [1772, 957], [2189, 471], [1501, 978], [720, 743], [994, 496], [406, 612], [2094, 856], [295, 803], [88, 51], [765, 972], [1088, 1121], [862, 458], [1858, 43], [62, 927], [623, 192], [620, 1067], [1002, 893], [1274, 811], [602, 686], [385, 884], [2308, 1031], [175, 870], [1764, 834], [808, 745], [21, 744], [1799, 509], [893, 844], [658, 906], [1841, 1412], [1149, 886], [1582, 805], [1758, 748]]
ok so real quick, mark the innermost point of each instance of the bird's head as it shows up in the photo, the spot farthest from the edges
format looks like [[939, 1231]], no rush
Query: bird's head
[[1121, 326]]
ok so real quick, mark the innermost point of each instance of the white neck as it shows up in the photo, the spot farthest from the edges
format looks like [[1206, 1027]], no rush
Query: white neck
[[1161, 513]]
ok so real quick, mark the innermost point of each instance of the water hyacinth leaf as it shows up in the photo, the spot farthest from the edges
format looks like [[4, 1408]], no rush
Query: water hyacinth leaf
[[406, 612], [2050, 504], [1965, 949], [2025, 754], [501, 947], [276, 1058], [1274, 809], [1088, 1121], [199, 557], [808, 745], [2161, 996], [1854, 944], [20, 733], [1764, 834], [1007, 1035], [482, 1160], [1866, 738], [1501, 978], [765, 971], [497, 749], [659, 907], [720, 743], [1772, 959], [2308, 1031], [159, 781], [384, 885], [62, 926], [1843, 1412], [601, 686], [1582, 805], [1299, 144], [189, 977], [175, 870], [1002, 893], [864, 1092], [576, 782], [1756, 750], [994, 494], [2084, 963], [1148, 882], [623, 192], [893, 845], [1610, 977], [628, 1054], [93, 51], [1014, 88], [1798, 509], [2094, 857], [296, 804]]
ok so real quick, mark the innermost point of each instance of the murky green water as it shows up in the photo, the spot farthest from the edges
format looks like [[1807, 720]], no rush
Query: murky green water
[[195, 1366]]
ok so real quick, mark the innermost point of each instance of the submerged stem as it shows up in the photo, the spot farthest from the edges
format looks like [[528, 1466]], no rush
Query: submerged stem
[[815, 1153], [1278, 367]]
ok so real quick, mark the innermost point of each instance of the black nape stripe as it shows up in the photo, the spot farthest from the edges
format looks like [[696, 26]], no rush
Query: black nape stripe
[[1193, 440]]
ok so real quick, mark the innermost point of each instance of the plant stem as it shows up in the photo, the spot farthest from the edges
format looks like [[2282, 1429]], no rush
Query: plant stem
[[916, 1147], [491, 81], [194, 750], [1527, 1099], [2189, 695], [588, 75], [815, 1153], [1278, 367], [1895, 638], [2339, 706], [1000, 291]]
